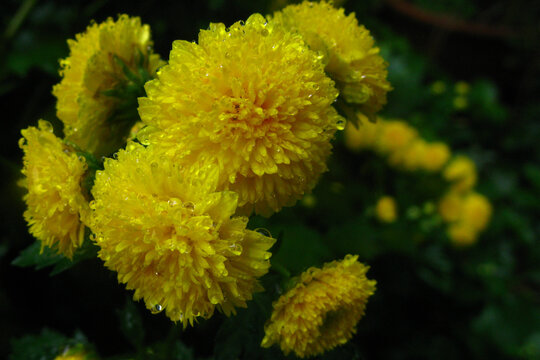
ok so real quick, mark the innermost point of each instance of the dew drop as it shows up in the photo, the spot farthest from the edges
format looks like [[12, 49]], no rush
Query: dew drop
[[156, 309], [264, 32], [189, 206], [263, 232], [340, 124]]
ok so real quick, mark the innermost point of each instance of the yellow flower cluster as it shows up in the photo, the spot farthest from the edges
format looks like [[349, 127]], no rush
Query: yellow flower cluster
[[102, 60], [351, 59], [240, 122], [56, 206], [386, 209], [173, 238], [466, 212], [322, 309], [253, 101], [400, 143]]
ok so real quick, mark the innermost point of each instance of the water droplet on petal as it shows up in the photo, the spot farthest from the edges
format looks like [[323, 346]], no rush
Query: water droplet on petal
[[189, 206], [340, 124], [263, 232], [156, 309]]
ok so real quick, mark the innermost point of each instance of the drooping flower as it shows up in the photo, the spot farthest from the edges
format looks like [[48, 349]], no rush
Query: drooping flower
[[321, 311], [171, 236], [461, 172], [350, 55], [254, 101], [386, 209], [56, 205], [104, 74]]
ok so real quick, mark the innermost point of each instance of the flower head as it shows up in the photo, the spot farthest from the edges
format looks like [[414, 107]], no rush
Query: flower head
[[462, 233], [321, 311], [394, 136], [476, 210], [386, 209], [170, 236], [350, 57], [254, 101], [435, 157], [101, 78], [361, 137], [461, 171], [55, 201], [450, 206]]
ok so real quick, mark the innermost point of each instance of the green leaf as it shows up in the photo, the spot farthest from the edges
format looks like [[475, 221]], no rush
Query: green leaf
[[131, 324], [33, 256], [46, 345]]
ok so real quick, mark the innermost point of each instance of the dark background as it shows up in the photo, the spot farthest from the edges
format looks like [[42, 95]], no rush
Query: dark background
[[432, 301]]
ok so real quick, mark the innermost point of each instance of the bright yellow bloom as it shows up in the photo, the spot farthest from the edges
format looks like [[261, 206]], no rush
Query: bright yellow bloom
[[351, 57], [394, 136], [361, 137], [435, 156], [386, 209], [254, 101], [451, 206], [321, 311], [55, 201], [93, 120], [171, 238], [461, 171], [476, 211], [462, 234]]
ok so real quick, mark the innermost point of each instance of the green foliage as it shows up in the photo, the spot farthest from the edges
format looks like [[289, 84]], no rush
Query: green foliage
[[40, 258], [47, 345]]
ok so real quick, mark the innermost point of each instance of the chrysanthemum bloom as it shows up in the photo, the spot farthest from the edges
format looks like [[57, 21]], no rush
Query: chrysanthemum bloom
[[55, 201], [350, 57], [252, 99], [386, 209], [461, 171], [409, 157], [462, 233], [361, 137], [451, 206], [394, 135], [435, 156], [77, 352], [172, 239], [104, 74], [321, 311], [476, 210]]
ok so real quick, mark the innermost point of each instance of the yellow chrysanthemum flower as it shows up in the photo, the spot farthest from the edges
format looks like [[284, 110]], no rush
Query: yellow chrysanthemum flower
[[349, 53], [171, 237], [450, 206], [253, 100], [99, 58], [462, 233], [410, 157], [435, 157], [55, 201], [321, 311], [476, 211], [361, 137], [461, 171], [394, 135], [386, 209]]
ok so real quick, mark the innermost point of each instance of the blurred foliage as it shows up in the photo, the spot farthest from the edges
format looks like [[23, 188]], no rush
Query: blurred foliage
[[433, 301]]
